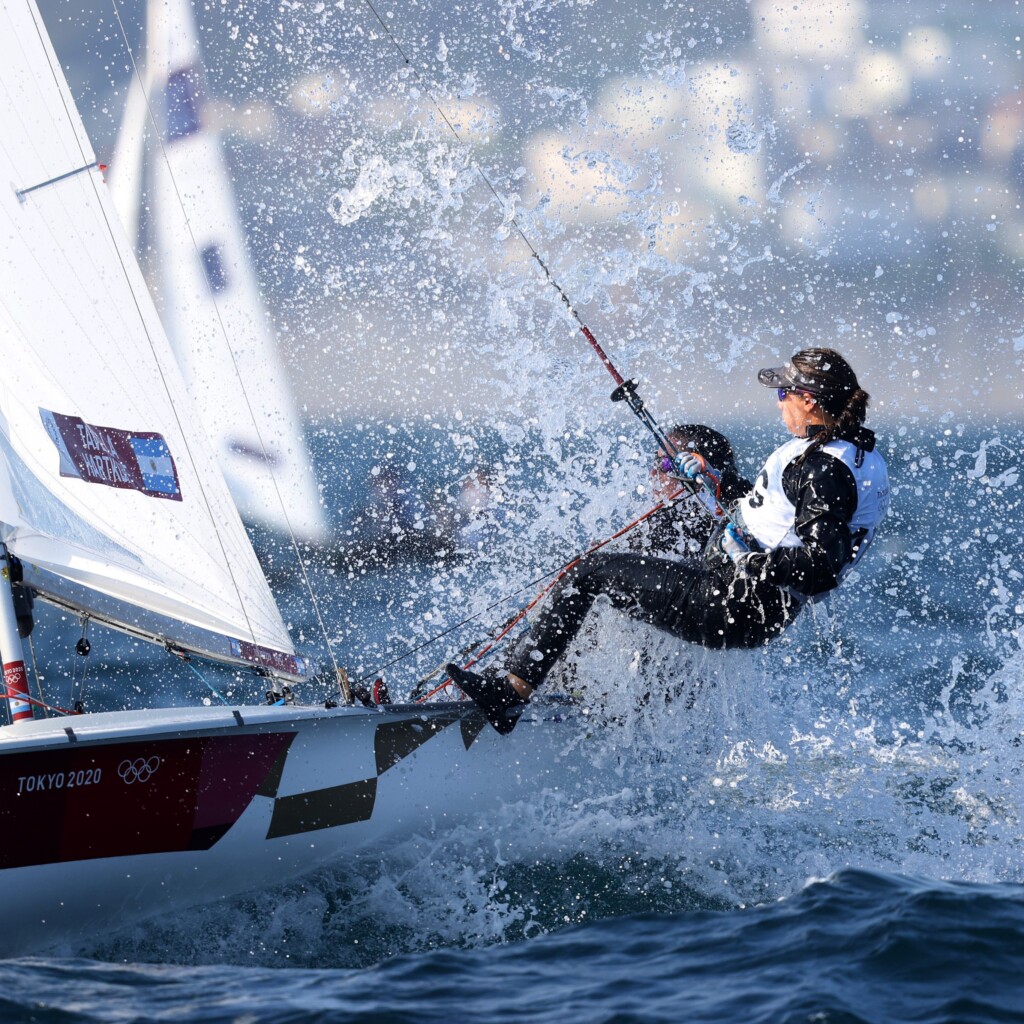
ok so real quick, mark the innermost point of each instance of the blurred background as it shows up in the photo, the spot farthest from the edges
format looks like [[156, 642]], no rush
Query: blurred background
[[714, 186]]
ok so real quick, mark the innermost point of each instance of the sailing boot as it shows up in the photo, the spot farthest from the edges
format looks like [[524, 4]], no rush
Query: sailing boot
[[490, 691]]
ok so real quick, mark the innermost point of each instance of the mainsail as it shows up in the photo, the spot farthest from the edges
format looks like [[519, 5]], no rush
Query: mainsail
[[204, 282], [109, 496]]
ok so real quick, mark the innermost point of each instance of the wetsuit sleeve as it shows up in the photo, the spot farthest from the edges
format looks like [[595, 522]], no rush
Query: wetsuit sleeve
[[824, 493]]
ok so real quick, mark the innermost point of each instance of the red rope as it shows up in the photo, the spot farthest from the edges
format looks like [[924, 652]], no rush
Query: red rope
[[18, 695]]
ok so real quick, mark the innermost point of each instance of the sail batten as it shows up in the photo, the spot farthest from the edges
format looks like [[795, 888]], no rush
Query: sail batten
[[108, 486], [22, 192]]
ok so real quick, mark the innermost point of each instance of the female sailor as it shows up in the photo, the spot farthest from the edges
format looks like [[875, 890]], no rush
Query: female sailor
[[812, 512]]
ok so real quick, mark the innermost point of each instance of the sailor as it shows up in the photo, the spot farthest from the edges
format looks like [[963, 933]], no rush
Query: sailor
[[479, 511], [793, 536], [683, 526]]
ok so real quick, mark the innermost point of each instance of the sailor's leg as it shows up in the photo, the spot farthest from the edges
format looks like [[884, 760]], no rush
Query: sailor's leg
[[644, 587]]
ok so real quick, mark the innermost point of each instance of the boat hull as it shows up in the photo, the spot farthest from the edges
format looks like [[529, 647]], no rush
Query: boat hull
[[113, 818]]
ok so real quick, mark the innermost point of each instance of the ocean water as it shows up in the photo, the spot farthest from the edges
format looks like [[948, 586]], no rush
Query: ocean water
[[859, 946], [832, 832]]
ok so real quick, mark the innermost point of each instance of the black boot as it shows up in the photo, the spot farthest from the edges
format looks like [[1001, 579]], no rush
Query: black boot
[[490, 691]]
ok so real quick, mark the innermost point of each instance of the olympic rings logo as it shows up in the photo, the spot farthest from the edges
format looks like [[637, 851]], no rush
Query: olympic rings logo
[[139, 770]]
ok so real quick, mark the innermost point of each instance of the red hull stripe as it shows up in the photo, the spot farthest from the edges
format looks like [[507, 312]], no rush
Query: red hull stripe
[[125, 799]]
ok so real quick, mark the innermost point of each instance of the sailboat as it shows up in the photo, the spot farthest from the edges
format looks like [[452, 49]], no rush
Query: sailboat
[[113, 508], [172, 188]]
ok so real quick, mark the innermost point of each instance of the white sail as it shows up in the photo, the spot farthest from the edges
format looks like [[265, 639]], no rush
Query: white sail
[[125, 175], [108, 494], [206, 288]]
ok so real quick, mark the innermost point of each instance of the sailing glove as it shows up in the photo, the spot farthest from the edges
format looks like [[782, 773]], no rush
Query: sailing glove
[[691, 466], [733, 544]]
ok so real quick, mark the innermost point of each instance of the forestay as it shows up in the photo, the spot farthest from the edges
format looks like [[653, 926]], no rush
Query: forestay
[[109, 494]]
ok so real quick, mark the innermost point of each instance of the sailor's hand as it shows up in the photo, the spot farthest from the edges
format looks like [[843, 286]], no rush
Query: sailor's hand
[[694, 467], [733, 544]]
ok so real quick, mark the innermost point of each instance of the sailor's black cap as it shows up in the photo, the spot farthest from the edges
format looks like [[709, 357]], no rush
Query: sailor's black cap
[[791, 378]]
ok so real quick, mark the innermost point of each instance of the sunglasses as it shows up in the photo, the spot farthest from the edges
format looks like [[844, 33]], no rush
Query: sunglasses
[[782, 392]]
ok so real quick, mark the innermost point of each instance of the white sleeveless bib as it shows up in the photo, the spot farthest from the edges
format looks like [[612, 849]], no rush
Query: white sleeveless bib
[[770, 517]]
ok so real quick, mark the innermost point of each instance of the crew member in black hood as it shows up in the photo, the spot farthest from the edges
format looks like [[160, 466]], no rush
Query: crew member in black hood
[[811, 513], [683, 526]]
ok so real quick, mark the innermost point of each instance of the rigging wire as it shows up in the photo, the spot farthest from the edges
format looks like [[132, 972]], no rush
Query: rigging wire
[[158, 135], [8, 692], [35, 670], [206, 682], [510, 623], [82, 650], [626, 390], [501, 631]]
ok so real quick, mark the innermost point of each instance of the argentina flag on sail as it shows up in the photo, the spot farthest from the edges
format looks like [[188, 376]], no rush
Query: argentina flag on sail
[[156, 465]]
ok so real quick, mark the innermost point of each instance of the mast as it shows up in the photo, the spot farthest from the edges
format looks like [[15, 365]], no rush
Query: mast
[[11, 650]]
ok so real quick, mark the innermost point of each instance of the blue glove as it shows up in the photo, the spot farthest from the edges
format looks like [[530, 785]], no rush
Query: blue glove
[[733, 544], [691, 466]]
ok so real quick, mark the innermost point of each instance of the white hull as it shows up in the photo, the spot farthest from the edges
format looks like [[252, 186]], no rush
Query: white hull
[[134, 814]]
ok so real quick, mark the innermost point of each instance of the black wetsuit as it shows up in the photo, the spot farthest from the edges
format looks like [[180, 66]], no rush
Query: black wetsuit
[[705, 599]]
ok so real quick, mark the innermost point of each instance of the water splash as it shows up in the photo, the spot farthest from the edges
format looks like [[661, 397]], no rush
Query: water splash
[[742, 137]]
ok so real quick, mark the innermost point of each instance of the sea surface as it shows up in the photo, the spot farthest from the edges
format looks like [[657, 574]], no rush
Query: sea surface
[[832, 832]]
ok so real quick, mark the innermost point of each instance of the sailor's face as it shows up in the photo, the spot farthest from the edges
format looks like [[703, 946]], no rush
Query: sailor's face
[[798, 409], [663, 483]]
